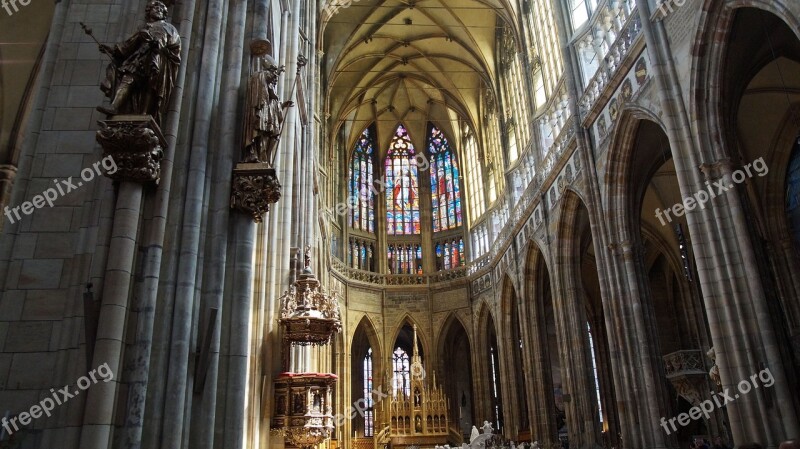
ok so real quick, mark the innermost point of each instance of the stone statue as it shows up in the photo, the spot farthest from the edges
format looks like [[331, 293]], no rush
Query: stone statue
[[143, 69], [474, 434], [263, 119], [487, 428], [713, 373]]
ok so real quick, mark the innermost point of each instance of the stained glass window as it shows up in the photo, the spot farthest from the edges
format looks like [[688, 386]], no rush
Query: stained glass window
[[445, 188], [402, 195], [362, 255], [402, 372], [450, 254], [369, 412], [361, 192], [495, 371], [594, 371], [405, 259]]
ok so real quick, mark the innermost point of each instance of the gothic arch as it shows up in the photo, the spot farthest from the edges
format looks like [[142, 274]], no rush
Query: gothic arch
[[708, 64], [577, 293], [370, 334], [424, 339], [543, 354], [454, 352], [621, 154]]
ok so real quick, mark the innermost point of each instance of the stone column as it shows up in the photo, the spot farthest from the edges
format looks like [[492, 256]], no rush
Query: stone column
[[570, 316], [136, 144], [738, 315], [8, 173]]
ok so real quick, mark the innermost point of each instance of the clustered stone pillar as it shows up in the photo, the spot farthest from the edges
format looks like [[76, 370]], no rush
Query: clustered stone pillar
[[136, 144], [8, 173]]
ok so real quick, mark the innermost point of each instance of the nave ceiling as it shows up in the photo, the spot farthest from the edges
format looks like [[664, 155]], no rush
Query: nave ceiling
[[411, 62]]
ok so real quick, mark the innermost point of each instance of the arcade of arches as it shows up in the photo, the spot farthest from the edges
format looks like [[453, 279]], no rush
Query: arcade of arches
[[579, 218]]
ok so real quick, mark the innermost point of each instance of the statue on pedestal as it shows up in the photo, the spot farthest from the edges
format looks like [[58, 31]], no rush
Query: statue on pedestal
[[264, 116], [143, 69]]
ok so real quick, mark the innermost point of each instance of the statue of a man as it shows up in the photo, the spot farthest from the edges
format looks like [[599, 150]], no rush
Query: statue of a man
[[144, 68], [263, 119]]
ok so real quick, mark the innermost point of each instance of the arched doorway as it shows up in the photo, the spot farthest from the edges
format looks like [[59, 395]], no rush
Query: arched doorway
[[456, 373], [366, 368]]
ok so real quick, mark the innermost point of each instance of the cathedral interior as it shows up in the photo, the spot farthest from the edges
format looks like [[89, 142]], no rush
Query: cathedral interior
[[400, 224]]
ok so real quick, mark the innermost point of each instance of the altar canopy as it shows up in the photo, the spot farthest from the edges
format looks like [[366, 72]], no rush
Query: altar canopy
[[416, 413]]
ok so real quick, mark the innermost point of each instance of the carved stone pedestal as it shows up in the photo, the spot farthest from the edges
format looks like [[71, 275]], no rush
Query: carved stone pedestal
[[137, 146], [687, 373], [255, 188]]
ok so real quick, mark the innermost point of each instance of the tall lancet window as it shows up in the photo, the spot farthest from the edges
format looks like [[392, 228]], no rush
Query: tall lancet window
[[594, 372], [369, 412], [361, 189], [445, 188], [402, 372], [402, 181]]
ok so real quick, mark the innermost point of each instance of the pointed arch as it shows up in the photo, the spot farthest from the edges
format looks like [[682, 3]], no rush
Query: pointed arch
[[367, 372], [424, 339], [711, 45], [454, 352], [619, 175]]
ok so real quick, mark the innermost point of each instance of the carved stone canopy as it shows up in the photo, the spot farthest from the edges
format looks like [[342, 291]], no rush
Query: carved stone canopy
[[309, 316], [136, 144]]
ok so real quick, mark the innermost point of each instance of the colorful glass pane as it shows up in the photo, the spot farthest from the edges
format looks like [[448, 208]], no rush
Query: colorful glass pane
[[445, 188], [402, 195], [360, 188]]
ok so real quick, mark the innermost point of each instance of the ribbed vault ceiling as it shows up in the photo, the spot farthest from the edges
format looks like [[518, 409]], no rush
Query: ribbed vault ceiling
[[393, 61]]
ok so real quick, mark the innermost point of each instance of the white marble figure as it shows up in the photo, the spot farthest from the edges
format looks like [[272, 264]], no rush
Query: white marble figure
[[536, 445], [487, 428], [473, 435]]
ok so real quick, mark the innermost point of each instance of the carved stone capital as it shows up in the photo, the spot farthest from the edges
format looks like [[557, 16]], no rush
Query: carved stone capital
[[255, 188], [136, 144]]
